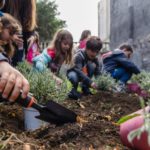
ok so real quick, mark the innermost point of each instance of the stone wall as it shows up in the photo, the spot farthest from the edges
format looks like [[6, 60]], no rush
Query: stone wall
[[130, 22]]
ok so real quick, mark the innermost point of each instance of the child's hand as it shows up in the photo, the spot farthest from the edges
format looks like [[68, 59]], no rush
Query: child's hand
[[18, 40], [12, 82], [59, 81], [31, 40], [94, 85]]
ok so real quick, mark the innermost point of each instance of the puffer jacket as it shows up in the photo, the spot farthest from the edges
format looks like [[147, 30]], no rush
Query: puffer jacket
[[117, 59]]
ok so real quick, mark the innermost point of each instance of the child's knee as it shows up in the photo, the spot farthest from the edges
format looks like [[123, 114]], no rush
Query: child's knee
[[72, 76]]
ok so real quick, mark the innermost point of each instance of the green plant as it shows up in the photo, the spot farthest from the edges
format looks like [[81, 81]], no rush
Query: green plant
[[42, 86], [144, 128], [105, 82], [24, 67], [143, 79]]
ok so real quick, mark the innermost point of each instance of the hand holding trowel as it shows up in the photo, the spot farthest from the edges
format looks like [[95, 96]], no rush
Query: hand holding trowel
[[50, 112]]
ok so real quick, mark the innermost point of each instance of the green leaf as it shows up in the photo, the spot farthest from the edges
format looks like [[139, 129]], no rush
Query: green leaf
[[126, 118]]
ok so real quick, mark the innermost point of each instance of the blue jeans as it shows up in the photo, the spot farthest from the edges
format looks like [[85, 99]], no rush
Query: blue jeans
[[76, 77], [121, 74]]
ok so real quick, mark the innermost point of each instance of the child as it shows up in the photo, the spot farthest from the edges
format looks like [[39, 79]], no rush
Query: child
[[117, 63], [33, 49], [84, 37], [25, 12], [9, 26], [59, 52], [85, 66], [11, 80]]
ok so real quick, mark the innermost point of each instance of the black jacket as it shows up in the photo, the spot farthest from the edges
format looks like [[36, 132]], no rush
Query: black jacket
[[81, 59]]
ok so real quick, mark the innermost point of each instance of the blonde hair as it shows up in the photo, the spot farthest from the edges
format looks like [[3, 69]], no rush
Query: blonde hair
[[10, 23]]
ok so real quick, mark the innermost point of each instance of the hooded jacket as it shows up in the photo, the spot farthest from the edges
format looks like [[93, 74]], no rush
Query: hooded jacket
[[117, 59]]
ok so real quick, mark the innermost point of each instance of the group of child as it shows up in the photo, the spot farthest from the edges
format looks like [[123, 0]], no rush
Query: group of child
[[83, 65]]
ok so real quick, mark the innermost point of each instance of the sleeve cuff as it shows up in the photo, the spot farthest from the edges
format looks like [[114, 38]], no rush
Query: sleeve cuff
[[3, 58]]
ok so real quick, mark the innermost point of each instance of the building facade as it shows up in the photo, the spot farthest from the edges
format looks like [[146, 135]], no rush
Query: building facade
[[128, 21]]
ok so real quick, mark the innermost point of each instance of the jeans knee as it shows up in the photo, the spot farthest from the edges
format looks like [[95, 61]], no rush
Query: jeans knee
[[91, 69], [72, 76]]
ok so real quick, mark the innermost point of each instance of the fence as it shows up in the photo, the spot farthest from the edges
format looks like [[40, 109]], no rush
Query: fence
[[43, 45]]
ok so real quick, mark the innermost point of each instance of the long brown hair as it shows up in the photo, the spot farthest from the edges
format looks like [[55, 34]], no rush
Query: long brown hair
[[62, 35], [10, 23], [24, 11], [85, 34]]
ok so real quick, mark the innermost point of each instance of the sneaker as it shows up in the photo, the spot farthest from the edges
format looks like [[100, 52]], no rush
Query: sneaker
[[121, 88], [73, 94]]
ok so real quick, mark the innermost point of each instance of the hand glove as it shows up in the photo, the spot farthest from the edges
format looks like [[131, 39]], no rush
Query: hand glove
[[41, 61]]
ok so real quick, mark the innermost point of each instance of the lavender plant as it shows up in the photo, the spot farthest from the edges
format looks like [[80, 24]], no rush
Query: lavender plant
[[143, 79], [42, 85], [105, 82]]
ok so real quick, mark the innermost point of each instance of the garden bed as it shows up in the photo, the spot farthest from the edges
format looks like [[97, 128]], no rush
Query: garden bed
[[101, 111]]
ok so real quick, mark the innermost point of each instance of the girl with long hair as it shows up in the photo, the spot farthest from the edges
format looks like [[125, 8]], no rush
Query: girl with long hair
[[57, 53], [25, 12]]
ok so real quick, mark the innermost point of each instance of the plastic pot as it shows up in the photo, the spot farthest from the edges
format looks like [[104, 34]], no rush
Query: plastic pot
[[130, 125], [30, 122]]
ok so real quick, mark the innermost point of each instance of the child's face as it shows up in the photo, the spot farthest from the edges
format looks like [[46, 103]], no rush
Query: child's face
[[5, 35], [128, 53], [65, 46], [91, 54]]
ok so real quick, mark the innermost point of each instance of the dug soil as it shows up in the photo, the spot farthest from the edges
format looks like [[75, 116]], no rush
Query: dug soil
[[99, 131]]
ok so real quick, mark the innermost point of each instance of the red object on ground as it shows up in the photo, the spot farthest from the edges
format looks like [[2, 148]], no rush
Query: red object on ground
[[130, 125], [135, 88]]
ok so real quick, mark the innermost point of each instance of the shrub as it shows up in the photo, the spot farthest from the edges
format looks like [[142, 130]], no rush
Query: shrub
[[42, 86], [105, 82], [143, 79]]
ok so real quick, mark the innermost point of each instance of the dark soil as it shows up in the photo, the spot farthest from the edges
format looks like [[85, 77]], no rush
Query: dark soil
[[101, 111]]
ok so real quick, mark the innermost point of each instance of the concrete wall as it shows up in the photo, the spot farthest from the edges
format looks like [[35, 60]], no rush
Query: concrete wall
[[104, 20]]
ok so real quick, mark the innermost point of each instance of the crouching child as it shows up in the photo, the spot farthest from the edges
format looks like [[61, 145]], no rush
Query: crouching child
[[85, 65], [119, 65]]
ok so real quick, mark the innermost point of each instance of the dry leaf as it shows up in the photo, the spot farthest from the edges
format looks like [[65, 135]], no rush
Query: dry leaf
[[81, 105], [91, 147], [26, 147], [108, 117]]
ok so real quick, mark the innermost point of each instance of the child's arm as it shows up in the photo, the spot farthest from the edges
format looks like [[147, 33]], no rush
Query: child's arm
[[129, 65], [41, 61], [57, 79]]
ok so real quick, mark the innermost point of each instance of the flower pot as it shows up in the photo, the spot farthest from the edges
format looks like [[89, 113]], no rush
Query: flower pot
[[130, 125], [30, 122]]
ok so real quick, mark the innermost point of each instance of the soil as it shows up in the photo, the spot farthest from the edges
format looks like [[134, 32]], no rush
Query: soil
[[99, 132]]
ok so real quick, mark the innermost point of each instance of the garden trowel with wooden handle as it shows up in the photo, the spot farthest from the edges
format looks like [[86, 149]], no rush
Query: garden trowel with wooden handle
[[50, 112]]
